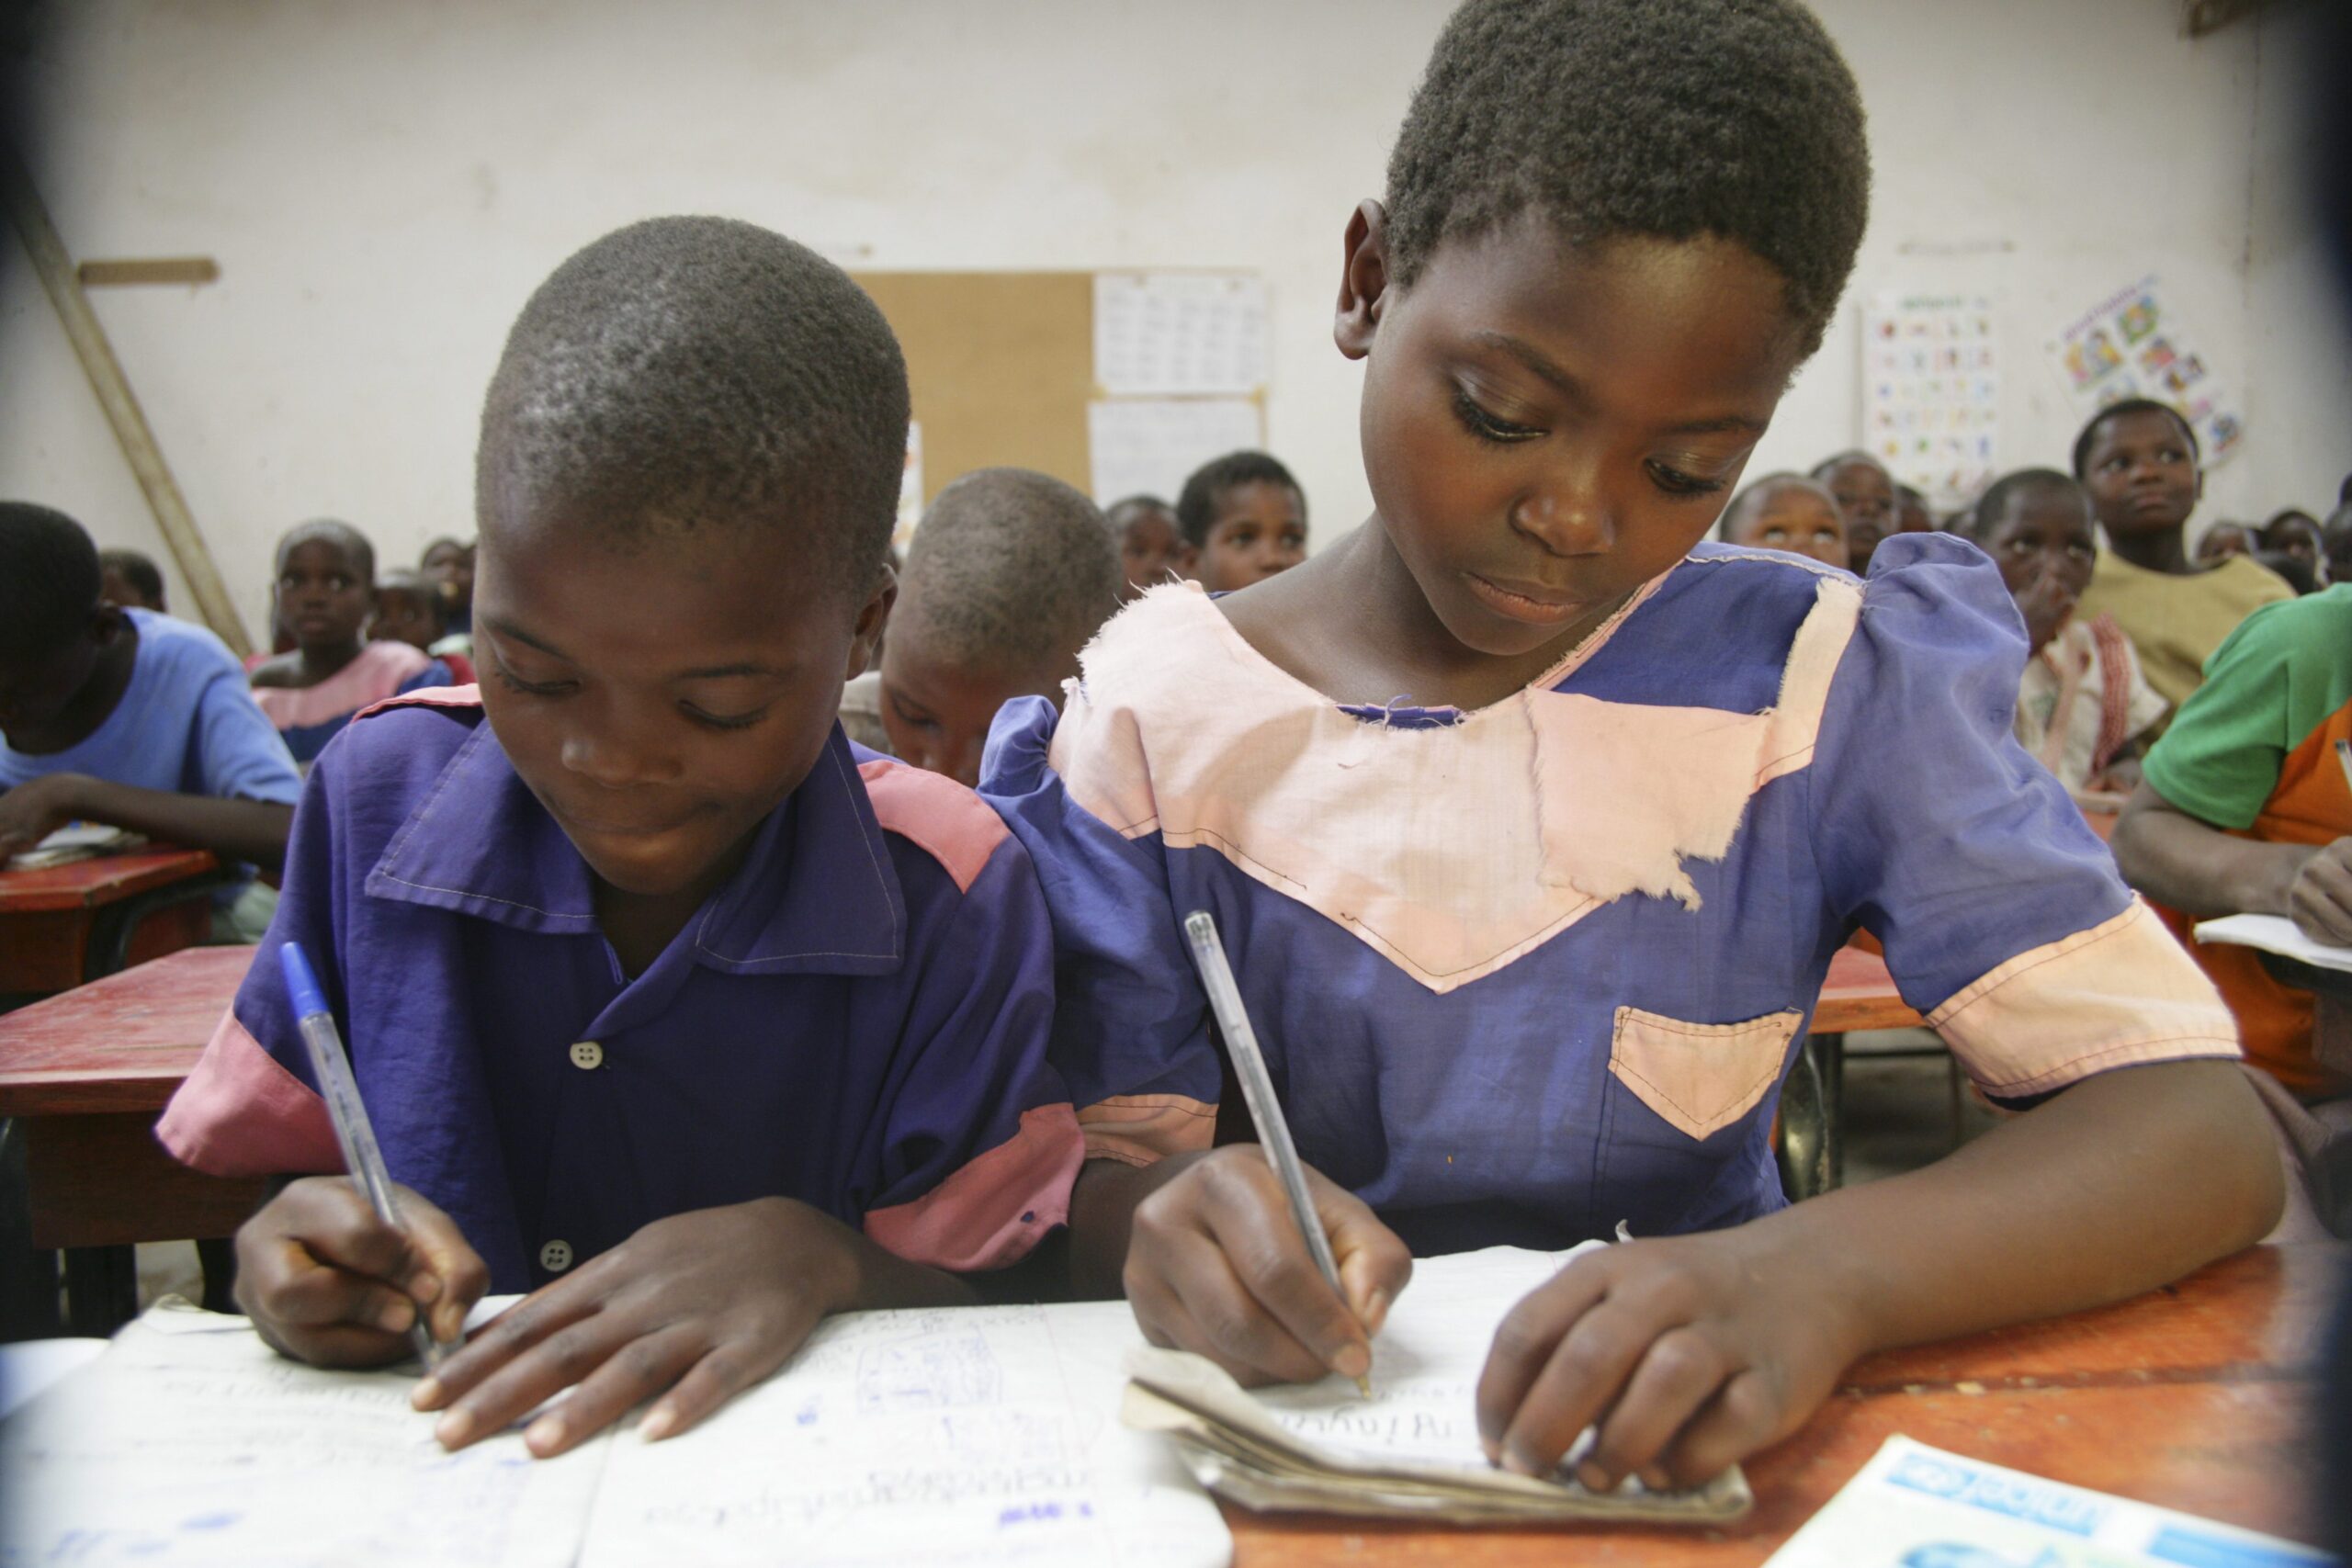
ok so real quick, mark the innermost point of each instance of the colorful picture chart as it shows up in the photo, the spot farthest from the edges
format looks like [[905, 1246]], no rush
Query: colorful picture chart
[[1931, 386], [2133, 344]]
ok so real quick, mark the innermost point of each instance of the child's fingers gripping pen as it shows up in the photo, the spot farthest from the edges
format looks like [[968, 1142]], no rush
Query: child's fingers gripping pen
[[1258, 1091], [361, 1156]]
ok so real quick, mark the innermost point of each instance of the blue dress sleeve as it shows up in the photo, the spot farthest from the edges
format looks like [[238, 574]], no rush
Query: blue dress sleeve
[[1131, 1029], [238, 753], [2002, 914], [978, 1148]]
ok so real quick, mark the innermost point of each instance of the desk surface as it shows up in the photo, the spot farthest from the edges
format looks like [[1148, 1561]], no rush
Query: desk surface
[[102, 879], [2191, 1397], [1861, 994], [120, 1044]]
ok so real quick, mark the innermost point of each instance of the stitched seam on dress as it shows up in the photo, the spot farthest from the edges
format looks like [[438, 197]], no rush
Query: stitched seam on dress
[[880, 885], [1783, 1019], [1712, 1123], [1357, 922], [484, 897], [1184, 1104], [2082, 940], [2067, 1070]]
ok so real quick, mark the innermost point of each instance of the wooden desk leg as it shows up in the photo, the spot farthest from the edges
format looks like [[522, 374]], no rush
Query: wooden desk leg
[[219, 1255], [1828, 1052], [28, 1273], [101, 1290]]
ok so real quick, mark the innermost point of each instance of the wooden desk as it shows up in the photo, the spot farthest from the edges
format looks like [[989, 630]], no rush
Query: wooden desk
[[64, 924], [2191, 1397], [1861, 994], [85, 1074]]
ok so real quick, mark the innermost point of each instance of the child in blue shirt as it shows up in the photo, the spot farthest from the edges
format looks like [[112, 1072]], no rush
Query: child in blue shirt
[[122, 716], [1532, 822], [670, 1006]]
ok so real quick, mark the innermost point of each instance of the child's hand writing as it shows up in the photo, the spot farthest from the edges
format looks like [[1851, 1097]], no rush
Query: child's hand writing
[[327, 1281], [1215, 1265], [2320, 898], [1689, 1353], [694, 1308]]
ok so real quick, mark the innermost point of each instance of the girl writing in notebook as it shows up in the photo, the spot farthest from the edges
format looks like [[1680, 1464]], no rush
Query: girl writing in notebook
[[1532, 822]]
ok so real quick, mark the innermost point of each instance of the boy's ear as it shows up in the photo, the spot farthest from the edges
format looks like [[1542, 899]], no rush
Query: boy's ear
[[871, 619], [1363, 279]]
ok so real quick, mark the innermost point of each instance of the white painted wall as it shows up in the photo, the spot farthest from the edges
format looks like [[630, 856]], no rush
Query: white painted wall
[[384, 183]]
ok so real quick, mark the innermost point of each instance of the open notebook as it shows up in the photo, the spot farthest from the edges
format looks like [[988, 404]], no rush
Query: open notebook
[[978, 1434]]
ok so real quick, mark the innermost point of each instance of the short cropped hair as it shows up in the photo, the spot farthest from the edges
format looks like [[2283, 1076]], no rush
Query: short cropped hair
[[48, 579], [1993, 505], [1758, 491], [1010, 571], [1127, 508], [1196, 503], [1664, 118], [341, 536], [405, 580], [691, 371], [2118, 409], [1830, 465], [136, 570]]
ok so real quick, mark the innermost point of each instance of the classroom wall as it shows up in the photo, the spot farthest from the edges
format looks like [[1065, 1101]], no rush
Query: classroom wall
[[383, 183]]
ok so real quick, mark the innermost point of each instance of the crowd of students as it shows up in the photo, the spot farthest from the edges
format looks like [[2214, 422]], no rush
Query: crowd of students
[[1532, 819]]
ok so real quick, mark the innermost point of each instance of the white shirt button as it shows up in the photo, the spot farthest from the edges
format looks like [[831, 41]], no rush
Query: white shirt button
[[556, 1256], [587, 1056]]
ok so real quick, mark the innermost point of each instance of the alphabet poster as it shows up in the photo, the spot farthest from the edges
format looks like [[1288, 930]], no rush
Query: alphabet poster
[[1931, 386]]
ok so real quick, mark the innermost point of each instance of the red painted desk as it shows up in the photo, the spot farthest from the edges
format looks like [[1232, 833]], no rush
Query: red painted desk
[[1861, 994], [84, 1076], [2192, 1397], [65, 924]]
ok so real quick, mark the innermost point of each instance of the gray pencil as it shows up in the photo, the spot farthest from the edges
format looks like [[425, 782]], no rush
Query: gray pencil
[[1258, 1091]]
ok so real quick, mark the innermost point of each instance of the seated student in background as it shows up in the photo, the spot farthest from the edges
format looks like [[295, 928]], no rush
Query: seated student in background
[[1865, 494], [1787, 511], [2292, 570], [2221, 541], [1151, 545], [2294, 533], [2084, 709], [2244, 807], [1911, 513], [2138, 460], [1532, 822], [667, 1008], [410, 608], [129, 578], [1244, 519], [2335, 544], [128, 719], [1009, 576], [326, 591], [451, 565]]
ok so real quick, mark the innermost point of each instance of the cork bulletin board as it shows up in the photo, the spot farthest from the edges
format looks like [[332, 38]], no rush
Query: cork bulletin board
[[1002, 367]]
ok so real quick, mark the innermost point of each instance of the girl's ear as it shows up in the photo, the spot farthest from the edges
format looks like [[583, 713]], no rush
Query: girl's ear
[[871, 619], [1363, 279]]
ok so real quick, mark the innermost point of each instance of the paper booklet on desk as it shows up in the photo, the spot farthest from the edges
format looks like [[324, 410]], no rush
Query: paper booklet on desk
[[1913, 1504], [76, 840], [2274, 933], [1411, 1450]]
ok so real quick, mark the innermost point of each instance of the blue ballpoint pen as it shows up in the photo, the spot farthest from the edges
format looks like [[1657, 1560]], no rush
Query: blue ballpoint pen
[[332, 1067]]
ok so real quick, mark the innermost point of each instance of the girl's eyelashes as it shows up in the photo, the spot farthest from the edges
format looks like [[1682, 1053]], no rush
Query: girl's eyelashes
[[1675, 482], [1487, 426], [714, 721], [514, 682]]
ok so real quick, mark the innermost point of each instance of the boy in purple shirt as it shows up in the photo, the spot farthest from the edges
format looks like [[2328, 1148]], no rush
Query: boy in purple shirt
[[670, 1005]]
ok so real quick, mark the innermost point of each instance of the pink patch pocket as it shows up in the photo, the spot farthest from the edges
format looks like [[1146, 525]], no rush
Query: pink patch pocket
[[1702, 1077]]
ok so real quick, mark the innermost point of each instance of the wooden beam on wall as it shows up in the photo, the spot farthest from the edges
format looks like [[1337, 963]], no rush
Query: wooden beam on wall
[[55, 268], [191, 270]]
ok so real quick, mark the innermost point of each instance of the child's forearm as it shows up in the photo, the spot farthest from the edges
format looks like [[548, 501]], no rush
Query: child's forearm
[[252, 830], [2198, 869], [1102, 1217], [2121, 1183], [880, 1278]]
